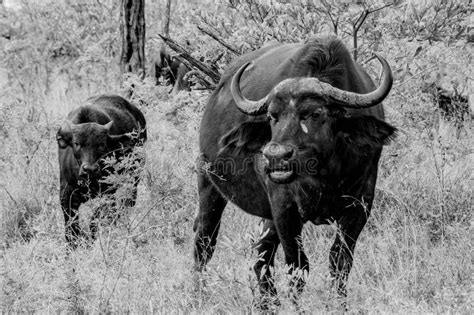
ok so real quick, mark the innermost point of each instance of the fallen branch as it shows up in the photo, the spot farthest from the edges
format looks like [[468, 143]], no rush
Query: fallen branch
[[191, 61]]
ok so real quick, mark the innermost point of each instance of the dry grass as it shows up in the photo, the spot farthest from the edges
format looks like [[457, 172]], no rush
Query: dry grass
[[413, 257]]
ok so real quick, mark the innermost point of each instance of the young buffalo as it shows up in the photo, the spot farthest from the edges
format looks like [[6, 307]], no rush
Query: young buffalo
[[106, 126]]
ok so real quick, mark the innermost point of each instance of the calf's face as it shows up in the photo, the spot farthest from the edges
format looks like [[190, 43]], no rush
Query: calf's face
[[89, 143]]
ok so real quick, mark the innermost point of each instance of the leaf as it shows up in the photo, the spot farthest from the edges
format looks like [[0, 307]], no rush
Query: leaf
[[417, 51]]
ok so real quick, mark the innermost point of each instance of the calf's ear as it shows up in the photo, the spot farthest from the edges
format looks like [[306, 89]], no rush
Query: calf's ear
[[64, 135], [125, 140], [365, 133]]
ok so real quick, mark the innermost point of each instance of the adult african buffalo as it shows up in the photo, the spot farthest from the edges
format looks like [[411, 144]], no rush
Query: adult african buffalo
[[106, 126], [170, 69], [293, 133]]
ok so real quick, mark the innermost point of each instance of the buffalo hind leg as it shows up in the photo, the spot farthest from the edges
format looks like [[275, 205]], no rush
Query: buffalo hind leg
[[342, 251], [266, 248], [207, 222]]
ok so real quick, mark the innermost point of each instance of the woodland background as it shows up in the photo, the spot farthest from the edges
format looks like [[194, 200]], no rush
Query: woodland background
[[415, 254]]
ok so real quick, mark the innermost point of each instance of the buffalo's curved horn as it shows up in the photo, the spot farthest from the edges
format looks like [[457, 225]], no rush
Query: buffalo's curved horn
[[66, 127], [246, 106], [351, 99]]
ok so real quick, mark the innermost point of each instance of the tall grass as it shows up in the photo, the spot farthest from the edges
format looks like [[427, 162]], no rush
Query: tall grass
[[414, 255]]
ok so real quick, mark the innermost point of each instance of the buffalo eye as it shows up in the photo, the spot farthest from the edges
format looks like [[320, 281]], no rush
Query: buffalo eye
[[272, 117], [101, 149], [316, 114], [76, 144]]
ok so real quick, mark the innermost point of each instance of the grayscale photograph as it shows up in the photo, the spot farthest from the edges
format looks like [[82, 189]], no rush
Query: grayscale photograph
[[236, 156]]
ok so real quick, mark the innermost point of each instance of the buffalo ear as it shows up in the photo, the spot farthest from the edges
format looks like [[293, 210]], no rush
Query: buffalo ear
[[249, 136], [64, 135], [126, 140], [365, 133]]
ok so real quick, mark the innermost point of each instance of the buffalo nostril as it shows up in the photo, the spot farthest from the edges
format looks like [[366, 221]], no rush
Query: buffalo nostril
[[276, 151], [270, 150], [89, 169], [288, 153]]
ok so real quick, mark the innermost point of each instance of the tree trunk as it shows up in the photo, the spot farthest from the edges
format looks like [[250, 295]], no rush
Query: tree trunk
[[132, 29], [166, 19]]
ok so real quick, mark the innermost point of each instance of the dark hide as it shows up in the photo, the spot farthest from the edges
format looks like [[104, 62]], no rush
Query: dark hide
[[247, 137], [105, 126], [311, 161], [170, 70]]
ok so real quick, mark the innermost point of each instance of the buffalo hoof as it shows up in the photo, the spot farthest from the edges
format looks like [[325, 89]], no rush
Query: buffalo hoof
[[267, 304], [200, 291], [199, 284], [77, 240]]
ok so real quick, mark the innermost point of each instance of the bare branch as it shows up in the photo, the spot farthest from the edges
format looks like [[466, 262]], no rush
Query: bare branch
[[327, 10], [360, 20], [380, 8], [358, 24], [364, 15], [208, 32]]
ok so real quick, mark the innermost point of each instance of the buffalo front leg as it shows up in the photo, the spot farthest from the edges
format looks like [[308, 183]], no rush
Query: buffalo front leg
[[342, 251], [289, 225], [100, 213], [111, 205], [207, 222], [131, 192], [266, 248], [70, 200]]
